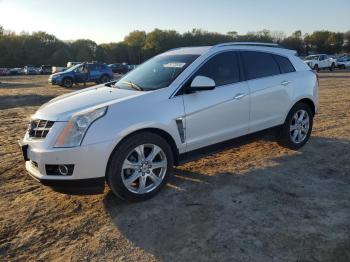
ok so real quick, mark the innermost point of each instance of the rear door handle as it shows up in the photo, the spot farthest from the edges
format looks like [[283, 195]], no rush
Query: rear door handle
[[239, 96], [285, 83]]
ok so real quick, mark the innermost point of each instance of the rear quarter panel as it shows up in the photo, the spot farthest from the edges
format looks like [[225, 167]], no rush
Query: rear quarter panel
[[305, 85]]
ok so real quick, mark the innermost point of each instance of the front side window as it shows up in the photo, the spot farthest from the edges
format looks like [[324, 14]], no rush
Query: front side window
[[78, 69], [259, 64], [222, 68], [156, 73]]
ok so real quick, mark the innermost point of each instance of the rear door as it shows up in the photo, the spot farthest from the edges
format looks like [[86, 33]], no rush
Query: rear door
[[220, 114], [270, 89]]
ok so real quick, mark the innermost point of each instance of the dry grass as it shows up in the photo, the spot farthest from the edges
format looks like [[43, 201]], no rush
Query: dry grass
[[259, 202]]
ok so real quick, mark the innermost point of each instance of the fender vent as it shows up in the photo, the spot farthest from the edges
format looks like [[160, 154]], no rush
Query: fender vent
[[181, 129]]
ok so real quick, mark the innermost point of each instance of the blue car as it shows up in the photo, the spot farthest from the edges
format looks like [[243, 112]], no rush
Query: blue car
[[98, 73]]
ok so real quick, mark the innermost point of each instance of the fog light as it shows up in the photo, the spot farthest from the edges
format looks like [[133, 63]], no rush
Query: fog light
[[59, 170], [63, 170]]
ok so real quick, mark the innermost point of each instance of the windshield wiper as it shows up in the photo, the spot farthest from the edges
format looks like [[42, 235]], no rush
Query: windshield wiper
[[133, 85]]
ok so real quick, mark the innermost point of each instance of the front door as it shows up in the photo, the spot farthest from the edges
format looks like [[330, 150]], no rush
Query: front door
[[79, 74], [219, 114]]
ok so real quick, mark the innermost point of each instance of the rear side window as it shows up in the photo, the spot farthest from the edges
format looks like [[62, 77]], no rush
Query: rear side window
[[259, 64], [284, 63], [222, 68]]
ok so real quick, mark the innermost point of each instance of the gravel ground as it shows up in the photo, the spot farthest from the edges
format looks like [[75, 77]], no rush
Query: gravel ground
[[258, 202]]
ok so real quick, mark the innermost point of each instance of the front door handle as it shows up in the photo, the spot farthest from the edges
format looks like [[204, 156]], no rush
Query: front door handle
[[285, 83], [239, 96]]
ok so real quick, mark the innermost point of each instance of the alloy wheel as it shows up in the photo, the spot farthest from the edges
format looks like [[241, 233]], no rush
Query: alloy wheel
[[144, 168], [299, 126]]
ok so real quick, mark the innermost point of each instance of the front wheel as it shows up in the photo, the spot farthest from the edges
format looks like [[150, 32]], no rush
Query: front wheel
[[316, 68], [296, 130], [139, 166], [67, 82]]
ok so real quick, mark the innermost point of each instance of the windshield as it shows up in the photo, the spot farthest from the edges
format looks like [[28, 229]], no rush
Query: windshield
[[73, 68], [156, 73], [312, 57]]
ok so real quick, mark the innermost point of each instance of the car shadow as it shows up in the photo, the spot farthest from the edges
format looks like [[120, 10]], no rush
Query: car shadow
[[17, 85], [293, 206]]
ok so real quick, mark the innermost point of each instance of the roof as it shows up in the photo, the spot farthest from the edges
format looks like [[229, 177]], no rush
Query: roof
[[199, 50]]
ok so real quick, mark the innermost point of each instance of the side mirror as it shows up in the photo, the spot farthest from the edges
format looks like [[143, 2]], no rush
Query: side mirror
[[202, 83]]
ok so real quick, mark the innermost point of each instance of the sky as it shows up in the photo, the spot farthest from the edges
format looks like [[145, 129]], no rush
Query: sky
[[110, 21]]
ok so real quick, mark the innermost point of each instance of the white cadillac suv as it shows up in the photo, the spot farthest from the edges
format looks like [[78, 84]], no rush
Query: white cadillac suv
[[131, 132]]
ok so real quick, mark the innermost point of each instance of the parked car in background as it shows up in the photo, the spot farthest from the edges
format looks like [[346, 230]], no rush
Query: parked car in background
[[57, 69], [16, 71], [97, 72], [320, 61], [344, 62], [119, 68], [45, 70], [335, 59], [4, 72], [133, 131], [70, 64], [131, 67], [30, 70]]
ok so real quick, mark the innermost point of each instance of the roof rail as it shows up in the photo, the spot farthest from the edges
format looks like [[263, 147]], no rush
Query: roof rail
[[248, 43]]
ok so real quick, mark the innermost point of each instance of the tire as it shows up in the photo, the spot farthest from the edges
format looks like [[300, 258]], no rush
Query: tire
[[294, 134], [316, 68], [332, 67], [127, 171], [67, 82], [105, 79]]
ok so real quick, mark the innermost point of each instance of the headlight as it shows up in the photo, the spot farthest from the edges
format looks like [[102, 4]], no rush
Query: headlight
[[73, 133]]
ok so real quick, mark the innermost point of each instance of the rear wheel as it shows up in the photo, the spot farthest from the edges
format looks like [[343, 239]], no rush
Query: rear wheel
[[105, 79], [332, 67], [67, 82], [140, 166], [296, 130]]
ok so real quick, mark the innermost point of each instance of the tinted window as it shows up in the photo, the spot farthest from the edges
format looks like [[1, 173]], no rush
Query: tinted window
[[259, 64], [222, 68], [284, 63]]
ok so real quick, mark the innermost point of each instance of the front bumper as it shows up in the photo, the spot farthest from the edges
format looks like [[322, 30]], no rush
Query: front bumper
[[53, 81], [78, 183], [90, 162]]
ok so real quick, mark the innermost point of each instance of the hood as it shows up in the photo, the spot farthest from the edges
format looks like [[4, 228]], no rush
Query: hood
[[63, 107], [57, 74]]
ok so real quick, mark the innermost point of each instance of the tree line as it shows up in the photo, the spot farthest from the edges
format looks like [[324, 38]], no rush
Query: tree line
[[40, 47]]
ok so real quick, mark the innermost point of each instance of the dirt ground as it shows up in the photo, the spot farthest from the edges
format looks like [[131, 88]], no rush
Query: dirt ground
[[258, 202]]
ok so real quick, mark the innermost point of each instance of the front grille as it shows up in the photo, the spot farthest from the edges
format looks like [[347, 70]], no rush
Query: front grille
[[39, 128]]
